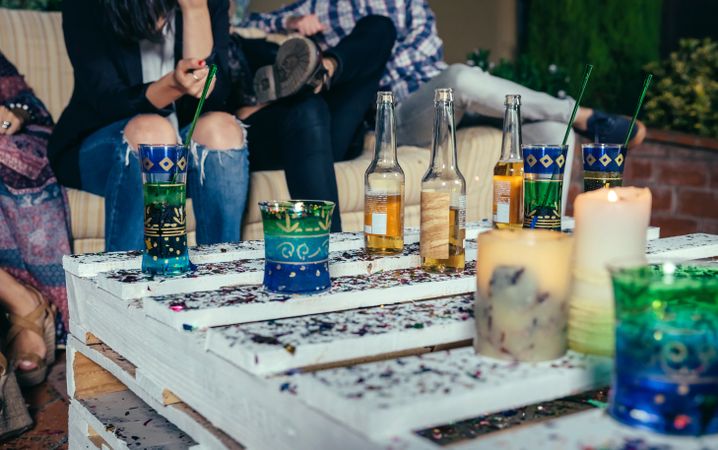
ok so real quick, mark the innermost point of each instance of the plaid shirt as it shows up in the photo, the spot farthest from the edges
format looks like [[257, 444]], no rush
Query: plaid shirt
[[417, 57]]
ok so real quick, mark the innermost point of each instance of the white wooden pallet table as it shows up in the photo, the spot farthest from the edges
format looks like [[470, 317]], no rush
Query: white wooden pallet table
[[380, 356]]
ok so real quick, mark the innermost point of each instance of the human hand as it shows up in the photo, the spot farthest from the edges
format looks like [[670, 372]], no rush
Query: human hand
[[7, 116], [308, 25], [190, 75]]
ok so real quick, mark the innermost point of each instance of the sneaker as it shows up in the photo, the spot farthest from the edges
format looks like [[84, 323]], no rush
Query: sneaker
[[607, 128], [298, 66]]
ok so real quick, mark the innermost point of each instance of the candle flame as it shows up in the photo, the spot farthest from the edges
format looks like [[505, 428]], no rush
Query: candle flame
[[612, 196]]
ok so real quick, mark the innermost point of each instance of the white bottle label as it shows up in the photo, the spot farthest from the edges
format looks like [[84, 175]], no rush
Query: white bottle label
[[378, 223], [502, 198]]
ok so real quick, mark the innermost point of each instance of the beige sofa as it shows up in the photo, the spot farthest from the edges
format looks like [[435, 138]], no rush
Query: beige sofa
[[34, 42]]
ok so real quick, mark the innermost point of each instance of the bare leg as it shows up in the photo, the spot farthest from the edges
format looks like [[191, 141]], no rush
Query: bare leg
[[19, 300]]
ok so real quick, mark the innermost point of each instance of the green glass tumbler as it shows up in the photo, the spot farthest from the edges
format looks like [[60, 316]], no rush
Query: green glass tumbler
[[666, 371]]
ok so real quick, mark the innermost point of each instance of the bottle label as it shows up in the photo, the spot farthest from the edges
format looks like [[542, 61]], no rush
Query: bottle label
[[461, 226], [502, 200], [434, 235], [383, 213], [378, 224]]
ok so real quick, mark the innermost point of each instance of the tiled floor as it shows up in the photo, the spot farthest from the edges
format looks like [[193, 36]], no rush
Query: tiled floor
[[48, 407]]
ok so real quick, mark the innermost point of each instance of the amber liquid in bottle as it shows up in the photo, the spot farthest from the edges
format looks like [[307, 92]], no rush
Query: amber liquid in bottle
[[384, 186], [443, 195], [508, 204], [457, 259], [383, 223]]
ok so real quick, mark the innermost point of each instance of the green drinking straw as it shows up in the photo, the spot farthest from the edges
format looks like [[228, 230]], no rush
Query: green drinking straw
[[212, 72], [586, 75], [638, 107]]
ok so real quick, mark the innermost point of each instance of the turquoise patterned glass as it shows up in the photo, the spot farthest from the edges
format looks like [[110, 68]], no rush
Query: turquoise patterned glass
[[296, 245]]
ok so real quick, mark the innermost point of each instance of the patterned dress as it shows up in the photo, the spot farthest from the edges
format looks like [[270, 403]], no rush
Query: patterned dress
[[34, 225]]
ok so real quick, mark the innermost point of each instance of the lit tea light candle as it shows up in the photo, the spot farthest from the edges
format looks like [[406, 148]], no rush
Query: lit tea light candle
[[522, 292], [610, 225]]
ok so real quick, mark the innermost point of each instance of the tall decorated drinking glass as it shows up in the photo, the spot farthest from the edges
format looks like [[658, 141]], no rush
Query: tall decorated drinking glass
[[164, 178]]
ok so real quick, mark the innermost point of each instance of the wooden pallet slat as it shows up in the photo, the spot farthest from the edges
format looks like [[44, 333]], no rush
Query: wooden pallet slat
[[384, 398], [585, 430], [284, 344], [131, 284], [241, 304]]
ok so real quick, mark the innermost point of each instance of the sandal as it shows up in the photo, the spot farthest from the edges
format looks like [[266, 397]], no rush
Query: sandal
[[14, 417], [45, 314], [298, 65]]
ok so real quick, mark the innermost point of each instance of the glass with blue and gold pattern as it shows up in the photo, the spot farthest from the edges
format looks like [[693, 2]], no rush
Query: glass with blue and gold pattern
[[164, 176], [296, 245], [544, 165], [603, 165], [666, 372]]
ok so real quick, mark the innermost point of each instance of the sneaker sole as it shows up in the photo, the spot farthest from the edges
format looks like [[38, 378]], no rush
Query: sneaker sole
[[295, 63]]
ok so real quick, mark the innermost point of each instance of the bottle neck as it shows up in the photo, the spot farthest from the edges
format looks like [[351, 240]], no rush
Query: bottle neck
[[511, 139], [443, 152], [385, 147]]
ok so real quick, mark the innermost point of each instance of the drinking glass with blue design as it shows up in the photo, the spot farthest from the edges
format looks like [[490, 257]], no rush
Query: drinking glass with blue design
[[544, 165], [296, 245], [666, 371], [164, 176], [603, 165]]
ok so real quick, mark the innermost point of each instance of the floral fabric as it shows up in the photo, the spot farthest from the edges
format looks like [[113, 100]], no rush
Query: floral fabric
[[34, 227]]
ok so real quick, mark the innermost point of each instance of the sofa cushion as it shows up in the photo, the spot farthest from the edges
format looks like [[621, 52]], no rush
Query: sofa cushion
[[33, 41]]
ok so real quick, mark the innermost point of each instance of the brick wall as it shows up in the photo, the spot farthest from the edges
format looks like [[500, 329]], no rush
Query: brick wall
[[682, 174]]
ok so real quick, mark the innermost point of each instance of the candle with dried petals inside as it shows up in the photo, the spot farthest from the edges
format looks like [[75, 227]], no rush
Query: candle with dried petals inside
[[522, 293], [610, 225]]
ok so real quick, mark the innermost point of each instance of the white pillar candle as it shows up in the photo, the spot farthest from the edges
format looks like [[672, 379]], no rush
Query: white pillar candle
[[611, 225], [523, 279]]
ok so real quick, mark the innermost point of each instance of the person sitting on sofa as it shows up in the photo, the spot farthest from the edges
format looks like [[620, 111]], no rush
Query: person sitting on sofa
[[139, 68], [34, 235], [305, 109], [417, 67]]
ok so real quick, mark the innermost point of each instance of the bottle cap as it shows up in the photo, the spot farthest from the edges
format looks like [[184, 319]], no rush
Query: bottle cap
[[512, 100], [384, 97], [444, 95]]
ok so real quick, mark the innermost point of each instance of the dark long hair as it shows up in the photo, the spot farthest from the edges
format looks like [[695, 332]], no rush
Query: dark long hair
[[135, 20]]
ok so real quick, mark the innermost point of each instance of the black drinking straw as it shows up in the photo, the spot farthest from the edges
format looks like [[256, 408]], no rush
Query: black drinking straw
[[586, 75], [208, 81], [638, 107]]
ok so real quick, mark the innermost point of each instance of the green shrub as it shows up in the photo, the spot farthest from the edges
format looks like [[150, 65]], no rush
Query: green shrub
[[43, 5], [685, 94], [617, 36]]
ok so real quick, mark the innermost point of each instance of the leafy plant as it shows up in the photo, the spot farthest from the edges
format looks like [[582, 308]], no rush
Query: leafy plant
[[685, 95], [617, 36], [525, 71], [42, 5]]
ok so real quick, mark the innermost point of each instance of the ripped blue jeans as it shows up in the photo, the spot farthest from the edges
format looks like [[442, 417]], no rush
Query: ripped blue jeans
[[217, 183]]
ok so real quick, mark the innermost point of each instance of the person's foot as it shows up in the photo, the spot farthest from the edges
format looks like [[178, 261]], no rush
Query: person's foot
[[26, 342], [298, 65], [608, 128]]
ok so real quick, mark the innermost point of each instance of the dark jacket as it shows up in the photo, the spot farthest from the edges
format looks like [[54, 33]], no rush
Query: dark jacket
[[108, 80]]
